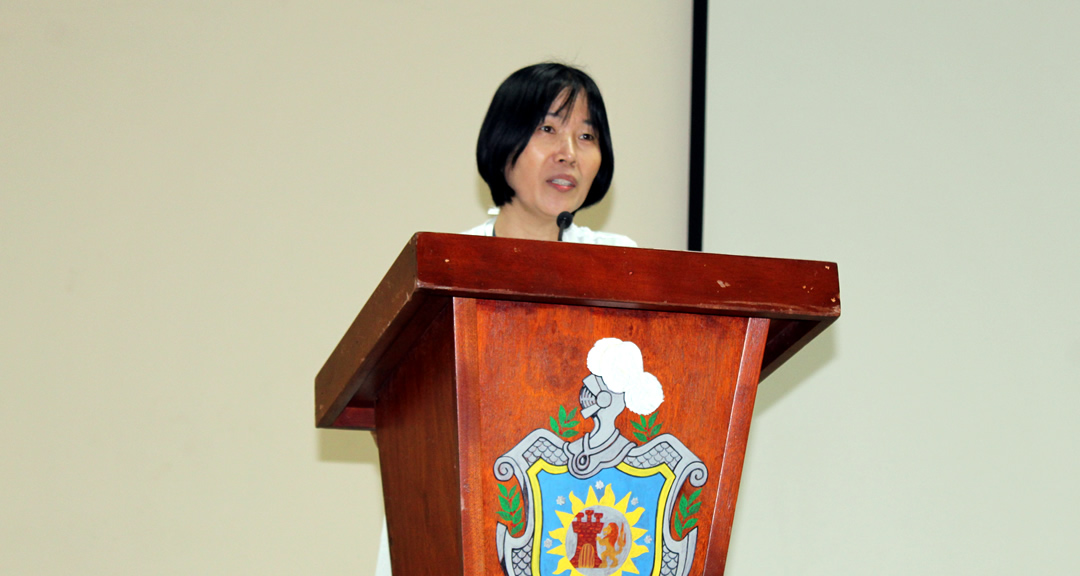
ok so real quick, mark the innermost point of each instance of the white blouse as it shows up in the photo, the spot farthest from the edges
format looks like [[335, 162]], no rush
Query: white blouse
[[575, 233]]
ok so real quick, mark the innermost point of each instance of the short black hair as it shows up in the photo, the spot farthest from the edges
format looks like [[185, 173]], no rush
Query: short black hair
[[520, 104]]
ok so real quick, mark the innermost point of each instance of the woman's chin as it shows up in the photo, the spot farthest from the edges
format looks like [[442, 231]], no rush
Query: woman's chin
[[553, 210], [547, 211]]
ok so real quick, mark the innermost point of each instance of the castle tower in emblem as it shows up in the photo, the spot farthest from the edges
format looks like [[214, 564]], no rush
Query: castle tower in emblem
[[587, 530]]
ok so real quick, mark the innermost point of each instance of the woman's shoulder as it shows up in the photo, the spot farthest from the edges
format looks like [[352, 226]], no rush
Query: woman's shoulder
[[586, 235], [485, 229]]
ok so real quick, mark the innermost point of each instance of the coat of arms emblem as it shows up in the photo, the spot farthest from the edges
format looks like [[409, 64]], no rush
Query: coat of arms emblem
[[601, 504]]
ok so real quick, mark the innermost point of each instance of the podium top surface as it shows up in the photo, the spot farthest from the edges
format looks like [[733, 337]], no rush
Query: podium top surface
[[800, 297]]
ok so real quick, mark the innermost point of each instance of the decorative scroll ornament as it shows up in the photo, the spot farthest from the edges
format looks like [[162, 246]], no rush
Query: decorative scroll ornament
[[601, 505]]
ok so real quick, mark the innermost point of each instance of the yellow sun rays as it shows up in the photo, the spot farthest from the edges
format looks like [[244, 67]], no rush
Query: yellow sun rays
[[607, 500]]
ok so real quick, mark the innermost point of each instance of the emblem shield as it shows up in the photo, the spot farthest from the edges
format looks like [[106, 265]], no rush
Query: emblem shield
[[568, 525], [600, 505]]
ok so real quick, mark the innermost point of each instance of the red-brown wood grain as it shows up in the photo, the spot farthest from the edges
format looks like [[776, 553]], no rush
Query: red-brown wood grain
[[416, 419], [742, 409], [511, 269], [470, 343], [472, 468], [802, 298], [530, 360]]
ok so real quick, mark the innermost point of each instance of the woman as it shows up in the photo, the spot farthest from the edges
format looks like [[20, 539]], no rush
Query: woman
[[545, 149]]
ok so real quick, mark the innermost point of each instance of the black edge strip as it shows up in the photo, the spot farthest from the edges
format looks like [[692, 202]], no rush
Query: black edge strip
[[697, 126]]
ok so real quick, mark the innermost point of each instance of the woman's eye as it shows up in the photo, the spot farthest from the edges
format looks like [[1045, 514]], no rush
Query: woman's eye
[[547, 128], [588, 136]]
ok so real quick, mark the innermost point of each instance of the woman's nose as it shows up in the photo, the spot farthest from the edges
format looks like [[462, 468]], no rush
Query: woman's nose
[[567, 152]]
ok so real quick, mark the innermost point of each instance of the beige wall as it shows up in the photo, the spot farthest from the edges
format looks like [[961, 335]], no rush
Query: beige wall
[[196, 199], [932, 149]]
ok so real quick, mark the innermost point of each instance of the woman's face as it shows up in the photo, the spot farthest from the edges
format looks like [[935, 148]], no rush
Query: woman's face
[[557, 167]]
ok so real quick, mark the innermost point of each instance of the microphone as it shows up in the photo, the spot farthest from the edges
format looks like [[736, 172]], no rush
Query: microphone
[[564, 220]]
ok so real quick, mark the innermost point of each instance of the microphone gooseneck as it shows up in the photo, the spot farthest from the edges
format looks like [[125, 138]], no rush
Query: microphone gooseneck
[[564, 220]]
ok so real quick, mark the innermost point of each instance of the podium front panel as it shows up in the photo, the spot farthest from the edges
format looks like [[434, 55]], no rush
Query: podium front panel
[[631, 471]]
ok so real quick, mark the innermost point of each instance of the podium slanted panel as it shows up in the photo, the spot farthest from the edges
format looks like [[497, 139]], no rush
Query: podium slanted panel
[[503, 453]]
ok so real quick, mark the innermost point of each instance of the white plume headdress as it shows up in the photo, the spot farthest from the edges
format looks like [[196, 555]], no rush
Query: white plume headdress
[[622, 368]]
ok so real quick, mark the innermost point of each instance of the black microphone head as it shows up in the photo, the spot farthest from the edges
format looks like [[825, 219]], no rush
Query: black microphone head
[[564, 220]]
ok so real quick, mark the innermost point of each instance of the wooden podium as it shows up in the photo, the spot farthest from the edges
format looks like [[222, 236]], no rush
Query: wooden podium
[[503, 452]]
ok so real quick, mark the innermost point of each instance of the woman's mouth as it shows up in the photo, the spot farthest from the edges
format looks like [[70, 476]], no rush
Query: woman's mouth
[[563, 183]]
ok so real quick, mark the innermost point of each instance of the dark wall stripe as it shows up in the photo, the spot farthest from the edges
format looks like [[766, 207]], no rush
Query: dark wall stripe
[[697, 125]]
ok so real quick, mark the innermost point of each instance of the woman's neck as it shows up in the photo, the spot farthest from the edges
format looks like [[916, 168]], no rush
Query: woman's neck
[[514, 223]]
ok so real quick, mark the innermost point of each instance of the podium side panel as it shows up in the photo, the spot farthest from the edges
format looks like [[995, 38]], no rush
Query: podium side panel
[[742, 410], [416, 431], [472, 468]]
